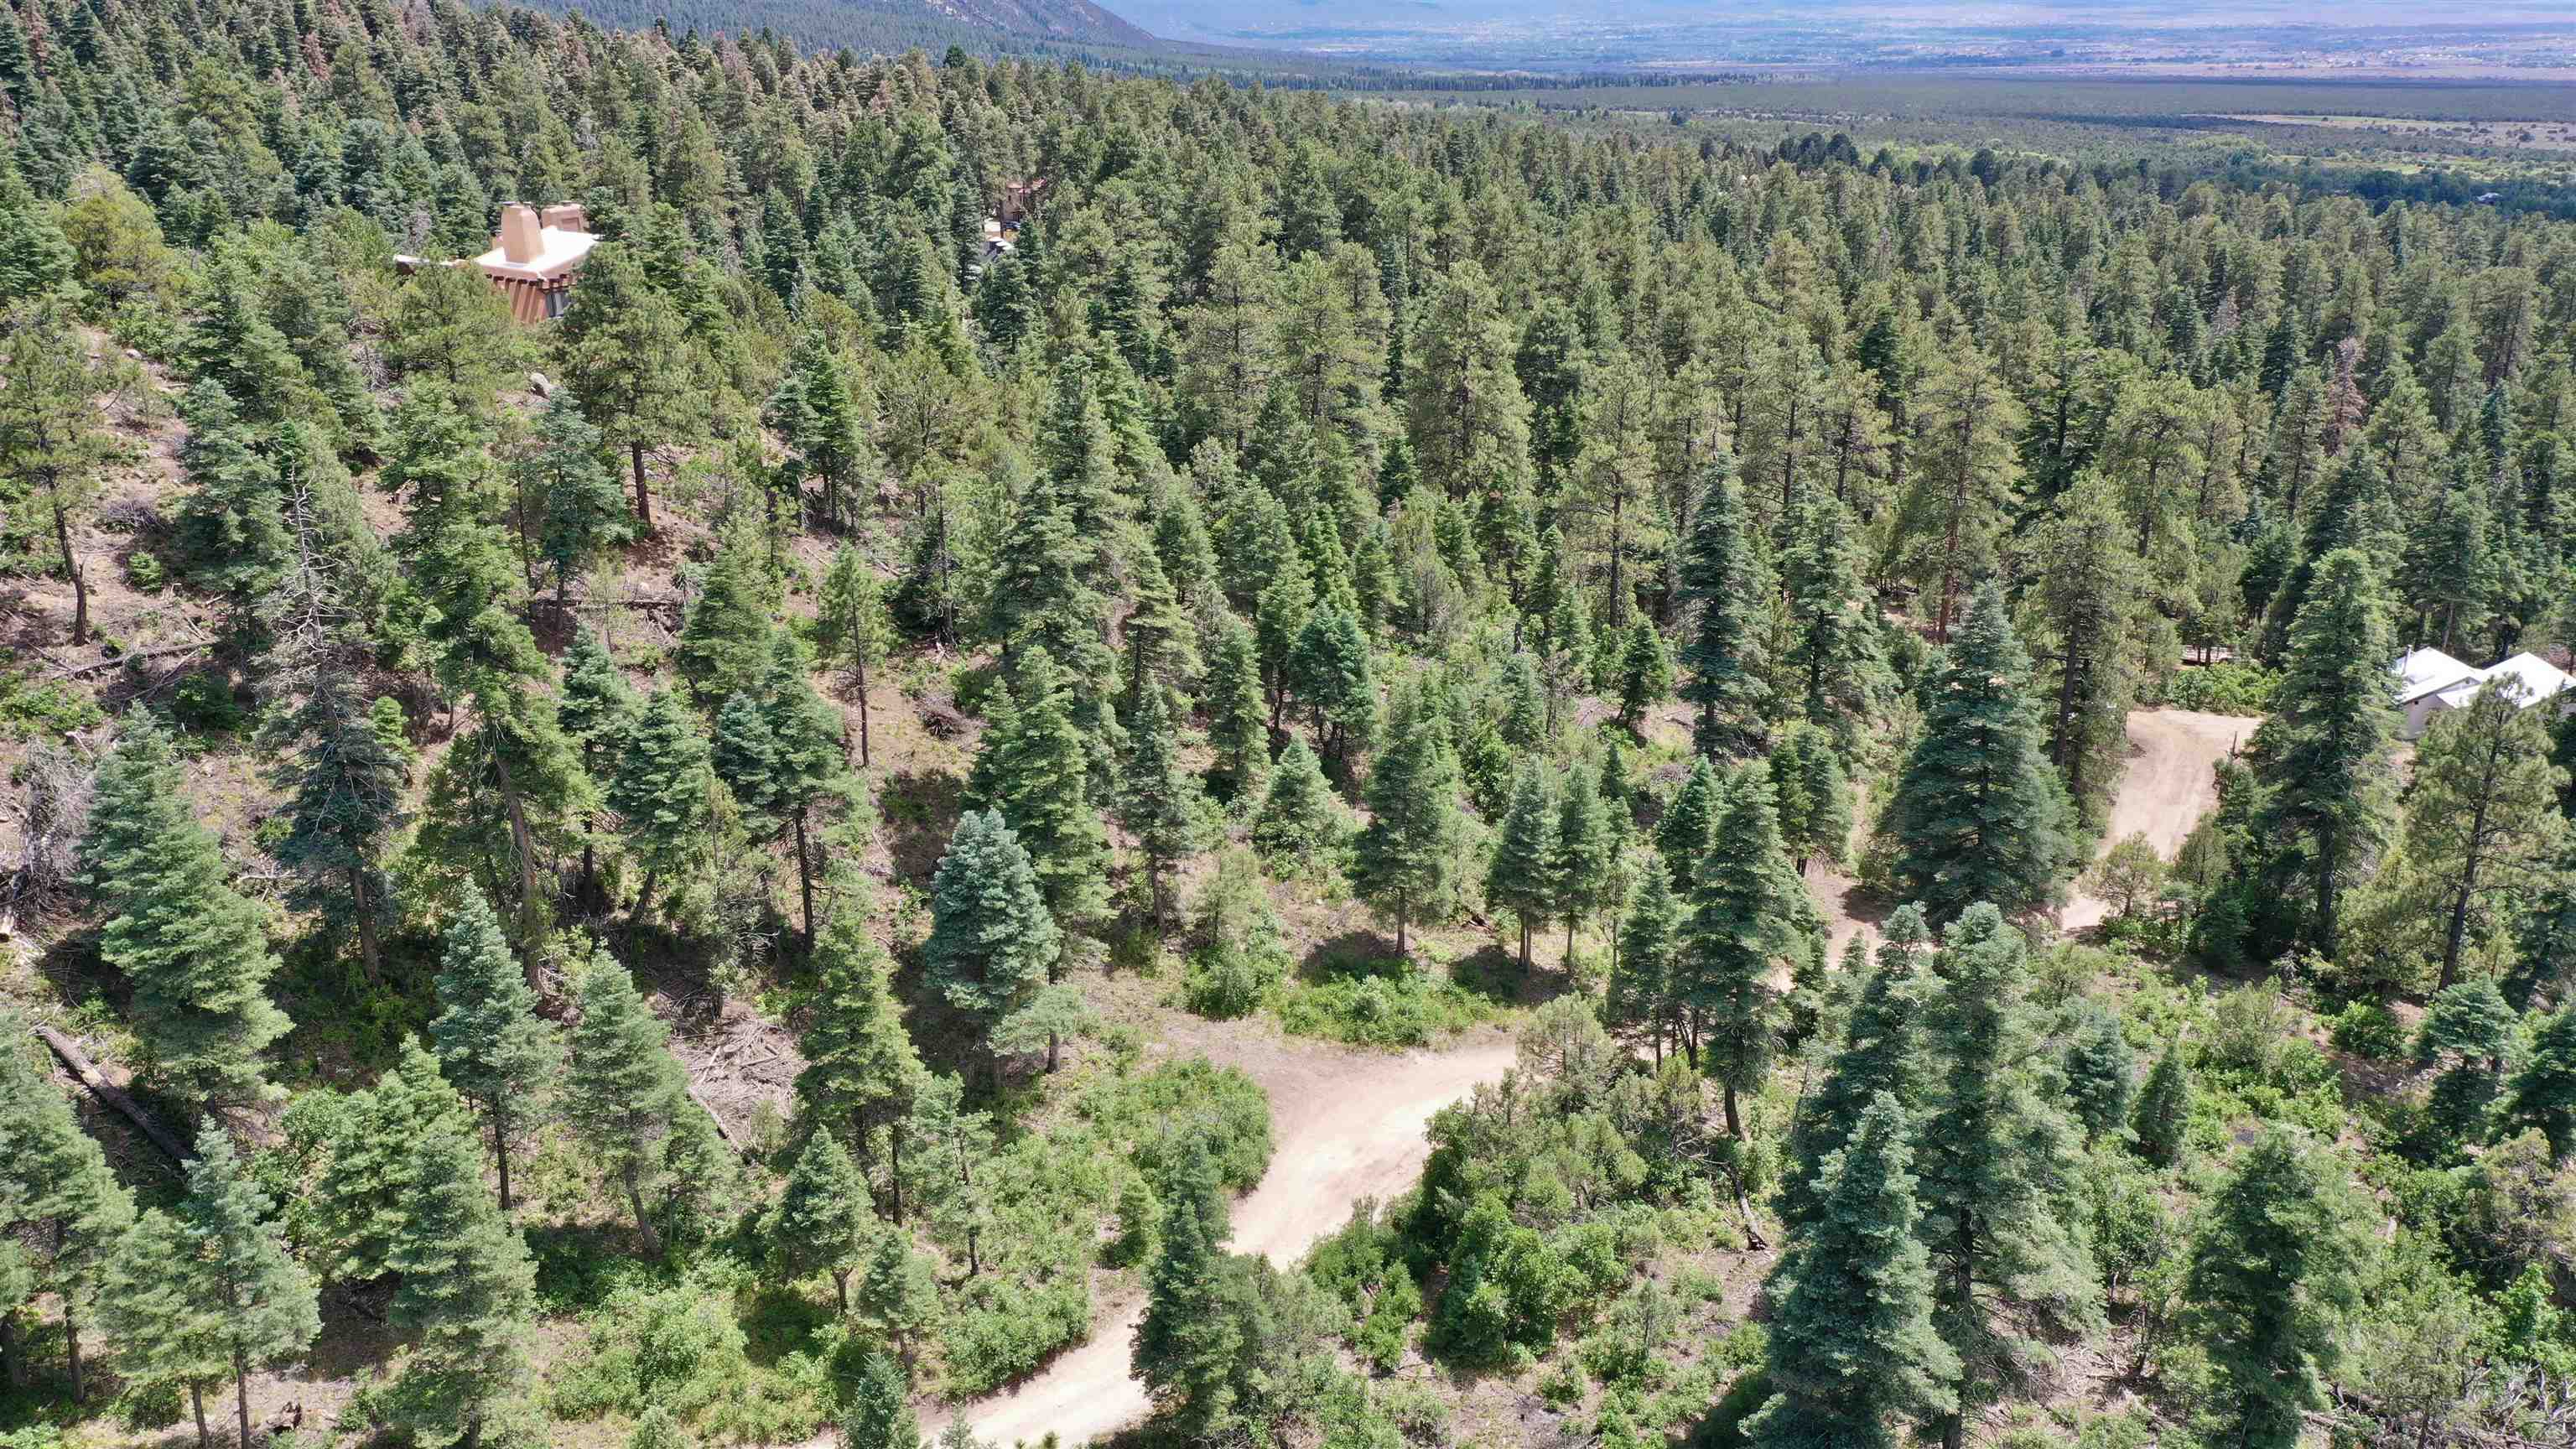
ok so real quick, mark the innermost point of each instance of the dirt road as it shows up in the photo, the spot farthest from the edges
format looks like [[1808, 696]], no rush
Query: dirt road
[[2171, 783], [1345, 1125]]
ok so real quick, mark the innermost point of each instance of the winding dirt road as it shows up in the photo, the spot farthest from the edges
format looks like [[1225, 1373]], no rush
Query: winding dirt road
[[2171, 782], [1345, 1125]]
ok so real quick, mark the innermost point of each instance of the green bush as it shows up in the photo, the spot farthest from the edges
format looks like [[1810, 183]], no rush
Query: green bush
[[145, 572], [2369, 1029], [33, 709], [1383, 1004], [2225, 688]]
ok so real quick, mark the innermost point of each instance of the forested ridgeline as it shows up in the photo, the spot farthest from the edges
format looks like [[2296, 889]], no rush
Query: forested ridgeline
[[661, 858]]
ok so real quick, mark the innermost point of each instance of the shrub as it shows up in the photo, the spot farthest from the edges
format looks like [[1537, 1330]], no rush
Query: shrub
[[1383, 1003], [46, 709], [2369, 1029], [145, 572], [2225, 688]]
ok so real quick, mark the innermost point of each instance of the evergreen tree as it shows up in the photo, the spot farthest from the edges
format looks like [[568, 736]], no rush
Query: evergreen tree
[[2322, 755], [2274, 1267], [1689, 822], [60, 1206], [169, 1334], [570, 486], [778, 748], [1237, 728], [1836, 675], [1160, 636], [264, 1306], [1300, 821], [2482, 814], [1645, 673], [1034, 770], [820, 411], [1748, 912], [851, 632], [1882, 1053], [492, 1046], [2101, 1073], [662, 791], [820, 1223], [861, 1070], [2164, 1108], [2467, 1032], [1328, 669], [2542, 1093], [1642, 1002], [368, 1168], [195, 950], [1723, 658], [35, 259], [1055, 572], [725, 641], [624, 1089], [1977, 814], [1814, 795], [898, 1291], [1526, 876], [1998, 1162], [1587, 857], [51, 446], [1408, 855], [1163, 808], [992, 942], [628, 361], [1185, 1339], [880, 1411], [2094, 607], [467, 1297], [1852, 1355]]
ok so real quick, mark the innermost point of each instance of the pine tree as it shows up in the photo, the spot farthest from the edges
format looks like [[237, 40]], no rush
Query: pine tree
[[51, 446], [2482, 813], [661, 791], [60, 1206], [1747, 914], [492, 1046], [35, 259], [195, 950], [1300, 821], [1185, 1339], [264, 1305], [628, 361], [2322, 756], [821, 1221], [468, 1295], [1525, 876], [1853, 1358], [168, 1333], [1328, 670], [1997, 1163], [2095, 608], [851, 632], [2542, 1093], [624, 1088], [1162, 808], [1689, 823], [1237, 727], [880, 1412], [724, 642], [1977, 814], [899, 1291], [2164, 1108], [861, 1070], [778, 748], [992, 942], [1724, 659], [1587, 859], [1882, 1054], [1641, 1001], [1034, 769], [1814, 794], [2101, 1073], [570, 486], [2274, 1267], [1645, 673], [820, 412], [1836, 675], [1408, 854]]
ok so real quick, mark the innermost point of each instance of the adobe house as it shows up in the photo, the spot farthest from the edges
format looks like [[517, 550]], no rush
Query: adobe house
[[533, 260]]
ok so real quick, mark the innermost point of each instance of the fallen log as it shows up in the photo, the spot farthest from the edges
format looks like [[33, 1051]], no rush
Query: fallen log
[[110, 1093], [135, 657]]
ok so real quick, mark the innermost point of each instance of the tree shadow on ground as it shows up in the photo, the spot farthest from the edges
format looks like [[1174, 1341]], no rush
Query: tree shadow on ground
[[917, 810]]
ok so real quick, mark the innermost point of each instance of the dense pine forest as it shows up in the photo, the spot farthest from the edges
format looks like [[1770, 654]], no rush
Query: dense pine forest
[[1086, 757]]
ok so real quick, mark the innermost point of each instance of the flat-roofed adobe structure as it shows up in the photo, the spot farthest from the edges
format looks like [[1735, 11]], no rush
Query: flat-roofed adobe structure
[[533, 260]]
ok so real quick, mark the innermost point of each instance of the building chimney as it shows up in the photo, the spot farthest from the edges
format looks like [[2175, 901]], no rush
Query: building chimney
[[567, 216], [519, 239]]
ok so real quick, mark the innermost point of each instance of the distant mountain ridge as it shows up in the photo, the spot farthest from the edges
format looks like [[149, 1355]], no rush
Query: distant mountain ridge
[[1078, 21]]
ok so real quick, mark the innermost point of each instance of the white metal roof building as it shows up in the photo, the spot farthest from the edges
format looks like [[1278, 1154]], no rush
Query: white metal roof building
[[2430, 682]]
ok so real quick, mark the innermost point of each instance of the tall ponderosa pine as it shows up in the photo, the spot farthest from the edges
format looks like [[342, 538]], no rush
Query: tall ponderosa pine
[[2482, 816], [492, 1046], [1854, 1361], [627, 358], [51, 446], [195, 949], [624, 1089], [1725, 668], [1408, 855], [1977, 814]]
